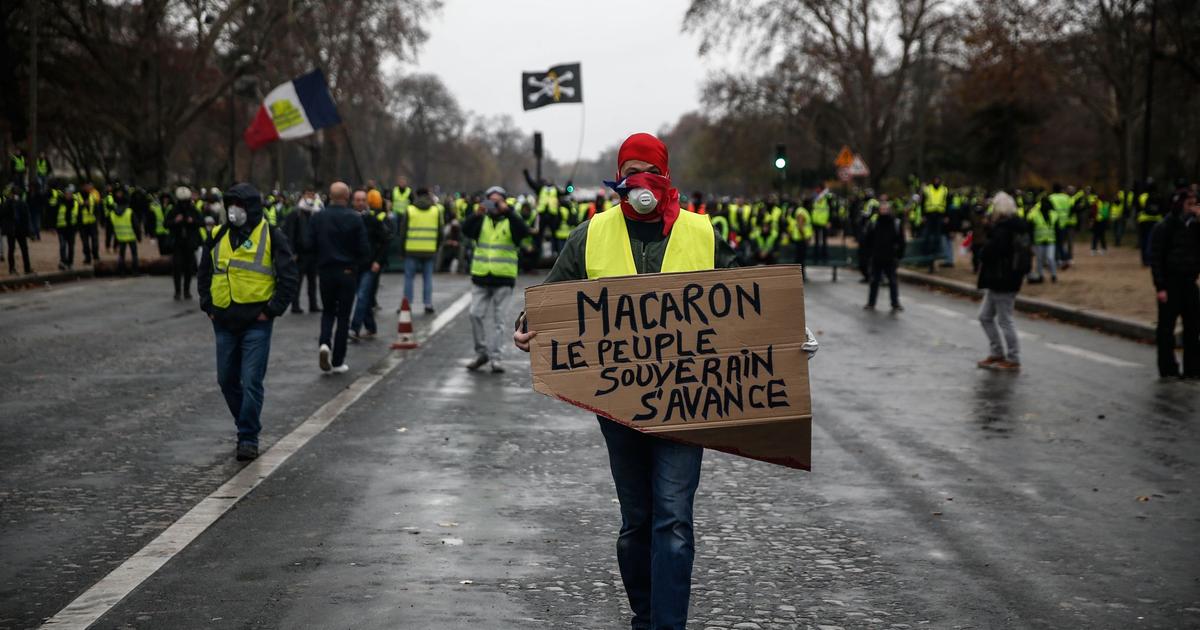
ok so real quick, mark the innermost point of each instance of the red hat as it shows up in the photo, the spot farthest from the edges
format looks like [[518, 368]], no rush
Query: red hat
[[644, 147]]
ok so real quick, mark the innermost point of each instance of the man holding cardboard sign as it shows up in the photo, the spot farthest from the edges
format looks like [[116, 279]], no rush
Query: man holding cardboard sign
[[656, 353]]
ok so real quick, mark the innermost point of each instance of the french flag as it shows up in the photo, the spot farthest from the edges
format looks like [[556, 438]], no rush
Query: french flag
[[293, 110]]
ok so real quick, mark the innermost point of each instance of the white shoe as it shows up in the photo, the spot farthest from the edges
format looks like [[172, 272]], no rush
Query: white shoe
[[323, 358], [341, 369]]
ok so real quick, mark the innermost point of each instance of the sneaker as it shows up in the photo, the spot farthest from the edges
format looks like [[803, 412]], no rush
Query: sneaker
[[314, 309], [477, 362], [428, 309], [497, 368], [354, 337], [323, 358], [989, 362], [247, 451], [1054, 279], [340, 369], [896, 308], [1007, 366], [868, 307], [178, 297], [368, 334]]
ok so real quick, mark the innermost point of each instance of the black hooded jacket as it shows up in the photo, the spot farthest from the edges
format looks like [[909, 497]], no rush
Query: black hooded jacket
[[238, 317]]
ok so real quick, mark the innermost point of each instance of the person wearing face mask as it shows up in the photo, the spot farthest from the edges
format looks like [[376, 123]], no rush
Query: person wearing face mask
[[656, 479], [498, 232], [247, 278], [295, 226]]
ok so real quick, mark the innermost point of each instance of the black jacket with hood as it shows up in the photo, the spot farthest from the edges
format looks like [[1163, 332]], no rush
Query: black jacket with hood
[[237, 317]]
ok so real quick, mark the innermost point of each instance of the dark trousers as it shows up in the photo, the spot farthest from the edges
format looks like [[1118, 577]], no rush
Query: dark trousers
[[931, 243], [879, 270], [183, 267], [89, 237], [1183, 301], [308, 272], [13, 242], [1118, 231], [1100, 235], [338, 288], [66, 246], [121, 245], [1143, 233], [821, 243], [110, 238], [1065, 244], [656, 482]]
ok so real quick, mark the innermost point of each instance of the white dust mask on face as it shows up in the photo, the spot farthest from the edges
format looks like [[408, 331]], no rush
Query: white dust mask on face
[[237, 215]]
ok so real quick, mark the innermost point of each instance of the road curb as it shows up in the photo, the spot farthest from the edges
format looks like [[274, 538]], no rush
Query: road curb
[[43, 279], [1098, 320]]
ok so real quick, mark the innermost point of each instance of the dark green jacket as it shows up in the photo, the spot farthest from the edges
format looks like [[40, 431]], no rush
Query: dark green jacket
[[645, 239]]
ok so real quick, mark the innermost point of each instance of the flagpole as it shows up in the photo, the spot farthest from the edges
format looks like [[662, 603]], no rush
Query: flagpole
[[353, 155], [582, 129]]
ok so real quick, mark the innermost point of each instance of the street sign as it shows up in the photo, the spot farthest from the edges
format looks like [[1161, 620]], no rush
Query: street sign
[[857, 167], [845, 157]]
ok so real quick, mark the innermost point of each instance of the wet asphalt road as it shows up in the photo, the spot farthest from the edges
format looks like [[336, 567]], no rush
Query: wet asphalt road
[[941, 495]]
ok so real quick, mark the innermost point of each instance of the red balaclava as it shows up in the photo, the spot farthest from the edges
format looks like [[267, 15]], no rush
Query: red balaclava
[[647, 148]]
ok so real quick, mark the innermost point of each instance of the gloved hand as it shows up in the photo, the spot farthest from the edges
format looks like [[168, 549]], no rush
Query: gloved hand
[[810, 344]]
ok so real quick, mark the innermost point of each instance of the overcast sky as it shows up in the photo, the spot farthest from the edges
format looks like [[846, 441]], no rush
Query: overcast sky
[[639, 71]]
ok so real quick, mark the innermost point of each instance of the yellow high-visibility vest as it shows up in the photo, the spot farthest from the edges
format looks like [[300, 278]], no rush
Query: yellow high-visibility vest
[[935, 198], [495, 253], [691, 245], [400, 198], [245, 275], [422, 230], [122, 223]]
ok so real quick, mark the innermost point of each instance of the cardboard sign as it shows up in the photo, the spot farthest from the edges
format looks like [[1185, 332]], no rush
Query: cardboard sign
[[710, 358]]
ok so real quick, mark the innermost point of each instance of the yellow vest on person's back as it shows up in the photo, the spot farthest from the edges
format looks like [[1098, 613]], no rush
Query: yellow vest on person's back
[[691, 246], [245, 275], [422, 229]]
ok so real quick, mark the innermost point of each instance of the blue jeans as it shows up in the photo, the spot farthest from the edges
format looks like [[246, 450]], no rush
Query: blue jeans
[[410, 269], [363, 313], [656, 482], [241, 367]]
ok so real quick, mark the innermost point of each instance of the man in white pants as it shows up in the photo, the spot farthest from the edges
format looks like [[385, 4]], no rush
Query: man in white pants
[[497, 232]]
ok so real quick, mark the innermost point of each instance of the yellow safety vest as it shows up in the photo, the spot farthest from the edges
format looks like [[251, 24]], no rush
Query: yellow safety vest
[[160, 226], [271, 215], [820, 213], [400, 198], [43, 167], [935, 198], [691, 245], [495, 253], [87, 211], [422, 230], [245, 275], [564, 223], [67, 217], [122, 223]]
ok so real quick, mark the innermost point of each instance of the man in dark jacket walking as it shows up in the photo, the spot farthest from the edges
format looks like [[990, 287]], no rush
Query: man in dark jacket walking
[[883, 242], [342, 248], [247, 278], [1175, 264], [295, 226], [184, 224], [379, 236], [1004, 261]]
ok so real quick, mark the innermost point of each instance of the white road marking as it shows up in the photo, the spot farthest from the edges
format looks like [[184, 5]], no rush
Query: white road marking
[[945, 312], [1093, 356], [102, 596]]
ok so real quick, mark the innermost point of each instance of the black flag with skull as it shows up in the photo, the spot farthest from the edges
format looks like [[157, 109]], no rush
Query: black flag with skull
[[560, 84]]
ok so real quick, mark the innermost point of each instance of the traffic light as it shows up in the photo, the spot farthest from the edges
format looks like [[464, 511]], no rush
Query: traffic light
[[537, 144], [570, 188], [780, 156]]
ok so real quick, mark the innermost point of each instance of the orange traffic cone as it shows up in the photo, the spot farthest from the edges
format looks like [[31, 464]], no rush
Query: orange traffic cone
[[404, 328]]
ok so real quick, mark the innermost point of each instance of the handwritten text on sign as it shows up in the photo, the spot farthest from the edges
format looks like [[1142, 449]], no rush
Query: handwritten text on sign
[[667, 349]]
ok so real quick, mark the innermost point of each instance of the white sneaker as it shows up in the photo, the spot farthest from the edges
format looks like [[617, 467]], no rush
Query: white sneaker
[[323, 358], [341, 369]]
